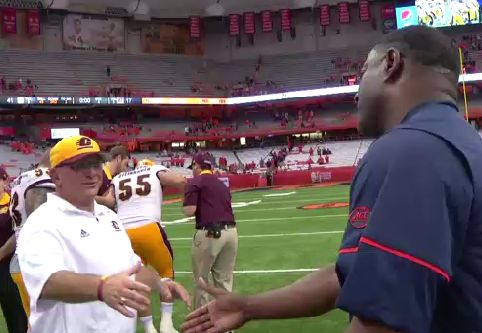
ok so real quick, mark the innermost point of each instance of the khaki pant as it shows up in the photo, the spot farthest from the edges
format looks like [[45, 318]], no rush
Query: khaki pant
[[215, 256]]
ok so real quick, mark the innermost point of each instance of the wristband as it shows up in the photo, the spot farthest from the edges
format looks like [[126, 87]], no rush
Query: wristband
[[100, 288]]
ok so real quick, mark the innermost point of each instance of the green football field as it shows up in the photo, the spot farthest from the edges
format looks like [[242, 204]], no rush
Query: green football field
[[278, 240]]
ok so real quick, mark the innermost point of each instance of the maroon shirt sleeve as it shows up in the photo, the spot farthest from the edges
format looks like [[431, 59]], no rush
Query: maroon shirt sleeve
[[105, 184], [191, 193]]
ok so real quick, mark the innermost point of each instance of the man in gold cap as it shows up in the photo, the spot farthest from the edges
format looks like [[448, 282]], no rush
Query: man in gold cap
[[77, 262]]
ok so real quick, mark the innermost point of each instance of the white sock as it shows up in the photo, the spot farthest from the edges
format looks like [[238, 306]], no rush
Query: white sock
[[147, 321], [166, 310]]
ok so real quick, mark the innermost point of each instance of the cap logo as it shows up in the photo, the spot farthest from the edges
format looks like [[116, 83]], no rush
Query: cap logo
[[84, 143]]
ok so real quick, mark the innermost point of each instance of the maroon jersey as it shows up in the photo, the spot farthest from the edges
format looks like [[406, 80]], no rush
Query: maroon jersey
[[6, 227], [211, 198], [106, 180]]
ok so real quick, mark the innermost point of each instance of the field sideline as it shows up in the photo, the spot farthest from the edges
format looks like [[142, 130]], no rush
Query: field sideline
[[279, 243]]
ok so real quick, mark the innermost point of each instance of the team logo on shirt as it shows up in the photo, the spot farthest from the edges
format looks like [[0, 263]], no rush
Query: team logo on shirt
[[84, 143], [359, 217], [115, 225], [83, 233]]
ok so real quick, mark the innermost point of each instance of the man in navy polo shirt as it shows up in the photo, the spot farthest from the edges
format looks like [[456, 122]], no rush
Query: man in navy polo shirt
[[411, 257]]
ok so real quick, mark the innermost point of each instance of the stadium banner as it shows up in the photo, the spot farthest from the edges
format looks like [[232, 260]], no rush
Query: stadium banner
[[249, 23], [364, 11], [325, 15], [242, 181], [173, 38], [85, 32], [9, 20], [7, 131], [387, 11], [315, 176], [195, 26], [285, 19], [33, 22], [267, 20], [234, 24], [344, 13]]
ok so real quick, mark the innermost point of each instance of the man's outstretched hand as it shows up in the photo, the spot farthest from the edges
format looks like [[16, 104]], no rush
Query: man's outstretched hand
[[225, 313], [171, 290]]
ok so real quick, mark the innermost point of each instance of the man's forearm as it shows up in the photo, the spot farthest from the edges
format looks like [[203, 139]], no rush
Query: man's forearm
[[70, 287], [310, 296], [35, 197], [105, 201], [8, 248]]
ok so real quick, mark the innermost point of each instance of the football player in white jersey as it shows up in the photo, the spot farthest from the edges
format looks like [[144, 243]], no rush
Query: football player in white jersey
[[138, 197], [29, 191]]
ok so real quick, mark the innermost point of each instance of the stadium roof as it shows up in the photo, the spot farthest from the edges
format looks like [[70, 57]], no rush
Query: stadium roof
[[184, 8]]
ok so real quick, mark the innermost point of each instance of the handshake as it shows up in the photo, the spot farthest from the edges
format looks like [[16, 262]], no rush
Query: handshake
[[121, 292]]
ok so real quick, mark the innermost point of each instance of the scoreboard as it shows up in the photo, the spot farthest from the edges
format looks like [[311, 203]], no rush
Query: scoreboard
[[92, 101], [67, 100]]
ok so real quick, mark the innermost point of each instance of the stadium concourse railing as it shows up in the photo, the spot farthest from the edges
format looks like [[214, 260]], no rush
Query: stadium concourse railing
[[169, 136], [317, 175]]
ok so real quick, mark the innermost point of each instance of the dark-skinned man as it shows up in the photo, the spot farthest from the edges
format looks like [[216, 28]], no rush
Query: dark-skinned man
[[410, 257]]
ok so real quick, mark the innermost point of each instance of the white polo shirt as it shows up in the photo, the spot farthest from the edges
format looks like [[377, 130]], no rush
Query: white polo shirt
[[59, 237]]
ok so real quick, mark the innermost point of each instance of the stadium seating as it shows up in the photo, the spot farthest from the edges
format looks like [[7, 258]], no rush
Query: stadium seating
[[17, 162], [344, 153], [74, 73]]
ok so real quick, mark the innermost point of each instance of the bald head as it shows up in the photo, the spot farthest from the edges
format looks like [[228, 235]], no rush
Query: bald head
[[407, 67], [424, 46]]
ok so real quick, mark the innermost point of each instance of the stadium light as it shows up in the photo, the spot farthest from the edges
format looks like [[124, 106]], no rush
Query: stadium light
[[321, 92]]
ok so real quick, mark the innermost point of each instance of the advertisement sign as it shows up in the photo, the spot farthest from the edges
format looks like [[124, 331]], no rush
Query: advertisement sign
[[60, 133]]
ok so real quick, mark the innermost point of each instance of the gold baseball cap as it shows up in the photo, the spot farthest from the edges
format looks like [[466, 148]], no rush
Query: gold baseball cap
[[71, 150]]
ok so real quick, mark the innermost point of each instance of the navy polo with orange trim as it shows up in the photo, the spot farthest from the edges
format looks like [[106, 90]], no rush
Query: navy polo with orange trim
[[411, 255]]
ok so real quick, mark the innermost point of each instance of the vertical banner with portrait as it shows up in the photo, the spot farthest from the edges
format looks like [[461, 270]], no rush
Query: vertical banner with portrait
[[85, 32]]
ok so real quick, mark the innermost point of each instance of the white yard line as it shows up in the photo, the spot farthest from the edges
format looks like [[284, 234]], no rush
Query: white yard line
[[279, 194], [183, 221], [273, 235], [271, 271]]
